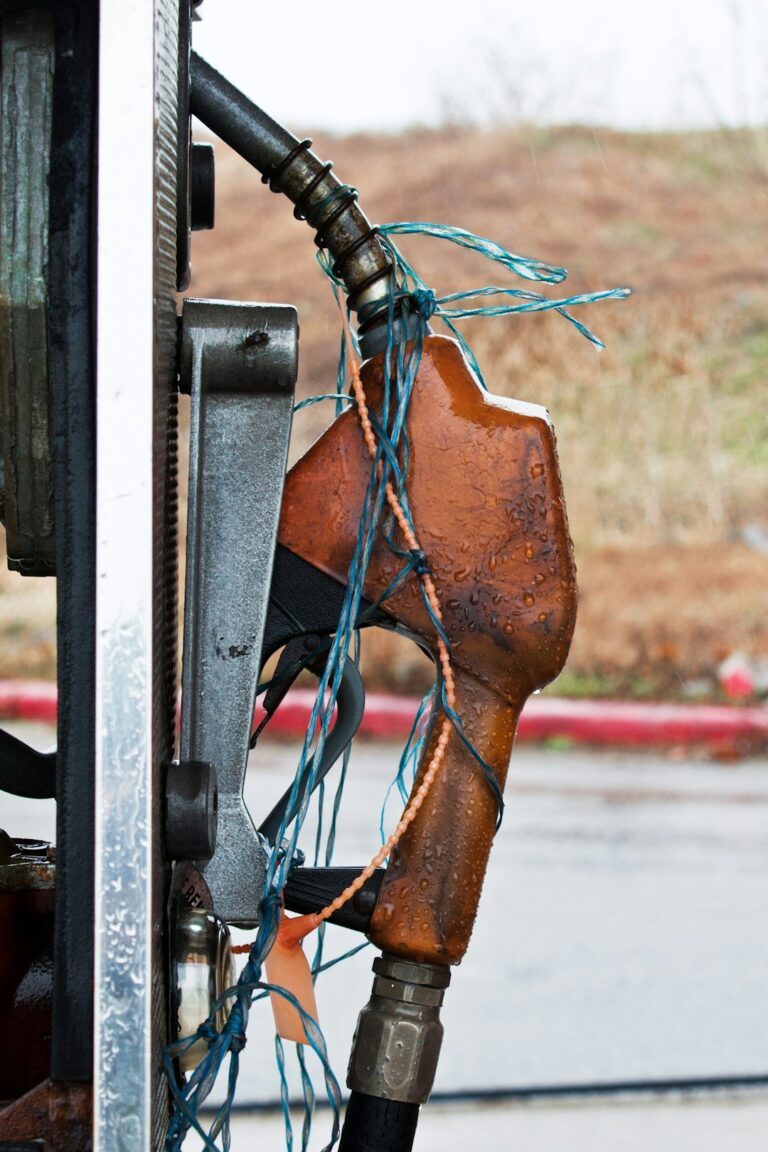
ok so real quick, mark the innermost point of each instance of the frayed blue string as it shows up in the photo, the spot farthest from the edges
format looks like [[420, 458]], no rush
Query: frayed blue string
[[285, 1096], [521, 265], [488, 772], [335, 196], [428, 305]]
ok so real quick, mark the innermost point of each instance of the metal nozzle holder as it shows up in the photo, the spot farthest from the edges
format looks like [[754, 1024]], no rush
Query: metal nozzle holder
[[398, 1036]]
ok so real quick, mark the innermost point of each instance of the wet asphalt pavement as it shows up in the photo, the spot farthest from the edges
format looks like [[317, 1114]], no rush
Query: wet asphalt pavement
[[702, 1125], [622, 933]]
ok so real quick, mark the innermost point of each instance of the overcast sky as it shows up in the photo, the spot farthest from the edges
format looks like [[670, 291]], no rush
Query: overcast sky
[[348, 66]]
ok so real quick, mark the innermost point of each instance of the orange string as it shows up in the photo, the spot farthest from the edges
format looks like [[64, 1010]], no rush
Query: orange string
[[298, 927]]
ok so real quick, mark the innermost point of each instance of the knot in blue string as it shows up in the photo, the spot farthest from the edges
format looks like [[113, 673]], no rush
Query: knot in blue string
[[271, 903], [207, 1031], [419, 562], [425, 301], [237, 1042]]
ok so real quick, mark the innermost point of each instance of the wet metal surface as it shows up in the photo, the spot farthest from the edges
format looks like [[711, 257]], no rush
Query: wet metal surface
[[239, 362]]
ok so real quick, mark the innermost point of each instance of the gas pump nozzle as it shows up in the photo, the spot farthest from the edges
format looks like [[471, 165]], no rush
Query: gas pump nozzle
[[485, 494], [486, 498]]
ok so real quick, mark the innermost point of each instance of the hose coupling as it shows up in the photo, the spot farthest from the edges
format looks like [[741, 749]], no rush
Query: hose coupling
[[398, 1036]]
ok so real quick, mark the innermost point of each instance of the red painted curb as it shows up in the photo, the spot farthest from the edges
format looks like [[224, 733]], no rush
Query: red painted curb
[[33, 700], [609, 722], [619, 722]]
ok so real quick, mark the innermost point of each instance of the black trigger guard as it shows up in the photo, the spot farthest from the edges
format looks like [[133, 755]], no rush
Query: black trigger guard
[[350, 706], [305, 605], [301, 652]]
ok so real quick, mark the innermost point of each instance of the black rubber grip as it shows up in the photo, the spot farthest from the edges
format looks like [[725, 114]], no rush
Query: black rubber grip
[[375, 1125], [310, 889]]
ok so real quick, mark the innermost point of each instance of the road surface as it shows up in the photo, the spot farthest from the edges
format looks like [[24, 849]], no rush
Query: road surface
[[622, 935]]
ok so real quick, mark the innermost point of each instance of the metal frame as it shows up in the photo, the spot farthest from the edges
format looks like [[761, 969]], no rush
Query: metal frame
[[72, 385], [135, 376], [240, 361]]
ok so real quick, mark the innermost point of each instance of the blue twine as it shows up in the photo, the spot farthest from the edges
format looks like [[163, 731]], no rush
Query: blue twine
[[522, 266], [317, 399], [284, 1092], [317, 969], [401, 364], [425, 303], [409, 758], [429, 305], [188, 1100], [308, 1094]]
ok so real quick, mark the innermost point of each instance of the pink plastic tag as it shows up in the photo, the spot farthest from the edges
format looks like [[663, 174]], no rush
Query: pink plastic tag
[[288, 967]]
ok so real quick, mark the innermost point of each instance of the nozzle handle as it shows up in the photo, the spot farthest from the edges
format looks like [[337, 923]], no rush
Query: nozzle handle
[[428, 898], [486, 499]]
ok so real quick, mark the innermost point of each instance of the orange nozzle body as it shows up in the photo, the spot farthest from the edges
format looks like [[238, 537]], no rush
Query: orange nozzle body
[[486, 498]]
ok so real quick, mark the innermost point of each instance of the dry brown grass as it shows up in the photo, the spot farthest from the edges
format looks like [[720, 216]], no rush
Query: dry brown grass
[[663, 437]]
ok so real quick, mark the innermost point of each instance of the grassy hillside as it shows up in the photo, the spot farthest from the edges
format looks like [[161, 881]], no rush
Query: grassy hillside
[[663, 437], [660, 434]]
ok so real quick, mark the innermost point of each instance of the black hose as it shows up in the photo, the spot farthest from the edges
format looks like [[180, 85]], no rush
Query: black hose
[[374, 1125], [286, 163], [25, 772]]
